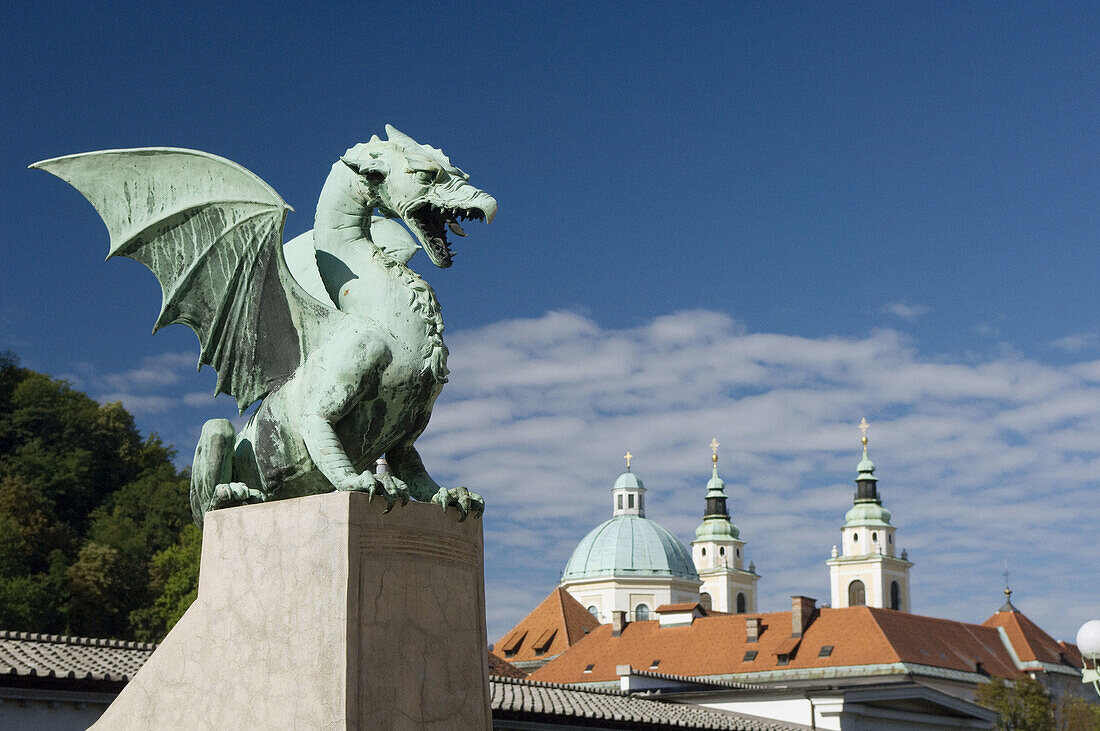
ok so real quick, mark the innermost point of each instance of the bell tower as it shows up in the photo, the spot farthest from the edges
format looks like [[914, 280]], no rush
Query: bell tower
[[719, 555], [867, 571]]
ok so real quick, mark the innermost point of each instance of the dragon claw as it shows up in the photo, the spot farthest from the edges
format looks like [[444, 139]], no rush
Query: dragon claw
[[461, 498], [234, 493], [386, 486]]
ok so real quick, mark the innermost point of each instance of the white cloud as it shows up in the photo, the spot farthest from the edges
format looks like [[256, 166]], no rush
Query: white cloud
[[906, 311], [979, 460], [1076, 343]]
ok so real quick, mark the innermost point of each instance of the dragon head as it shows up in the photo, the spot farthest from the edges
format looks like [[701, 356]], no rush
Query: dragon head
[[418, 184]]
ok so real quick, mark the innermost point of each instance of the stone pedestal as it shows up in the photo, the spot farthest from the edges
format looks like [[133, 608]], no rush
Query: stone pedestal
[[322, 613]]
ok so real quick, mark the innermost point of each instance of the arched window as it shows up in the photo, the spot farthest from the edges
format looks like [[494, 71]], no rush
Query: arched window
[[721, 550], [855, 538], [594, 612], [857, 594], [740, 603], [895, 595], [874, 537], [641, 613], [704, 551], [889, 538], [705, 600]]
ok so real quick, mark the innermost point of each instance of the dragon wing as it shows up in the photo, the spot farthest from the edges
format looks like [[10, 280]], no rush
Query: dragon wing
[[211, 232]]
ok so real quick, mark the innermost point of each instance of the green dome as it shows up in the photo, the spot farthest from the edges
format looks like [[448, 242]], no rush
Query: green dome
[[869, 514], [716, 528], [629, 545], [716, 486], [628, 481]]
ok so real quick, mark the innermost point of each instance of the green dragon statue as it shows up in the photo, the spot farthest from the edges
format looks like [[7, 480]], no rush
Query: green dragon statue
[[341, 341]]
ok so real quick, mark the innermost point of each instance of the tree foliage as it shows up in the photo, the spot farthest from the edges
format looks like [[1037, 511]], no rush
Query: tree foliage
[[88, 507], [1023, 704]]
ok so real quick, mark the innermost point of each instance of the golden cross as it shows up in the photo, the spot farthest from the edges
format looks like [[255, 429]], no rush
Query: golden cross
[[863, 428], [714, 445], [628, 456]]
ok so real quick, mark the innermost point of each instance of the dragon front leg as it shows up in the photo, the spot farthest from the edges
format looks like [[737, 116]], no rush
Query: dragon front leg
[[337, 376], [405, 462]]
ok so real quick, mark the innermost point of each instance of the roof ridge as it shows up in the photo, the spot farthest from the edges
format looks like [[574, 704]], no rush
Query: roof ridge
[[73, 640], [882, 633], [563, 686], [700, 679]]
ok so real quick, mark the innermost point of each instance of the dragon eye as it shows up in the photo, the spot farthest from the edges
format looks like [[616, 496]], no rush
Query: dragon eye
[[425, 176]]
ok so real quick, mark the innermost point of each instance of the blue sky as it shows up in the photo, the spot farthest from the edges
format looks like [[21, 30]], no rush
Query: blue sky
[[759, 222]]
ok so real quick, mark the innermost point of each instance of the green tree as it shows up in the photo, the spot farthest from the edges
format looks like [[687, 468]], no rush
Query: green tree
[[1022, 704], [174, 582], [1077, 714], [85, 504]]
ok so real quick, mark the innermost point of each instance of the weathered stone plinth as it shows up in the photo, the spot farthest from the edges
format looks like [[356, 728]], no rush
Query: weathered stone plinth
[[322, 613]]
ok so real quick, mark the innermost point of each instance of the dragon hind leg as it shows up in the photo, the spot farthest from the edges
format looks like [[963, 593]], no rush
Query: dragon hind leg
[[212, 472]]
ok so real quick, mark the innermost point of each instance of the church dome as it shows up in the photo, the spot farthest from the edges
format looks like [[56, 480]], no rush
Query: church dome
[[629, 545], [867, 514]]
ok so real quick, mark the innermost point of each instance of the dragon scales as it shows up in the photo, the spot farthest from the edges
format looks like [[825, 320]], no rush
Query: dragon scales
[[335, 336]]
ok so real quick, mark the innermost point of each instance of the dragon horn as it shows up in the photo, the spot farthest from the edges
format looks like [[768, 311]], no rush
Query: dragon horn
[[396, 136]]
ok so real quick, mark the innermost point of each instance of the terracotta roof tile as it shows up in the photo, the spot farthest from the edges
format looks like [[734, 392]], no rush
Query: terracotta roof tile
[[1031, 643], [554, 625], [717, 645], [681, 607], [498, 666]]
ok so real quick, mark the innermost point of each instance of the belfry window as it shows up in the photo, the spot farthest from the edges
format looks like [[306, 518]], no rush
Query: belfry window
[[629, 501], [857, 594], [721, 550], [895, 595], [740, 603], [874, 537], [620, 503]]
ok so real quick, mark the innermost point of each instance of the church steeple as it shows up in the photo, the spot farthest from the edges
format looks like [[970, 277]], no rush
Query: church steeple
[[718, 551], [716, 488], [867, 570], [866, 482]]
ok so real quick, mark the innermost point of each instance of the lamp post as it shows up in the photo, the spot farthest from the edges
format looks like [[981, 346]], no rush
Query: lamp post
[[1088, 642]]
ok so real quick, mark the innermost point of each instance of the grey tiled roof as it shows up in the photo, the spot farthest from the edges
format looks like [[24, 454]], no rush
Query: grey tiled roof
[[528, 696], [77, 658], [27, 654]]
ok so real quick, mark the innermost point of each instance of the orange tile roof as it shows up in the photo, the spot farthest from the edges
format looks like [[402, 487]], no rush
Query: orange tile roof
[[681, 607], [717, 645], [1031, 643], [501, 668], [558, 622]]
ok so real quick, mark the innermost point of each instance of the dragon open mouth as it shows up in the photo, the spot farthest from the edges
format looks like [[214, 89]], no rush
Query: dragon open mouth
[[431, 224]]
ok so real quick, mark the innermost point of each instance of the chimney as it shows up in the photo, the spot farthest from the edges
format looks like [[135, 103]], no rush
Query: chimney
[[802, 613], [752, 629], [618, 621]]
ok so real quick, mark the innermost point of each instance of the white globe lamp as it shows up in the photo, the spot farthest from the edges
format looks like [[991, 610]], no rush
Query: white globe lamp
[[1088, 642]]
